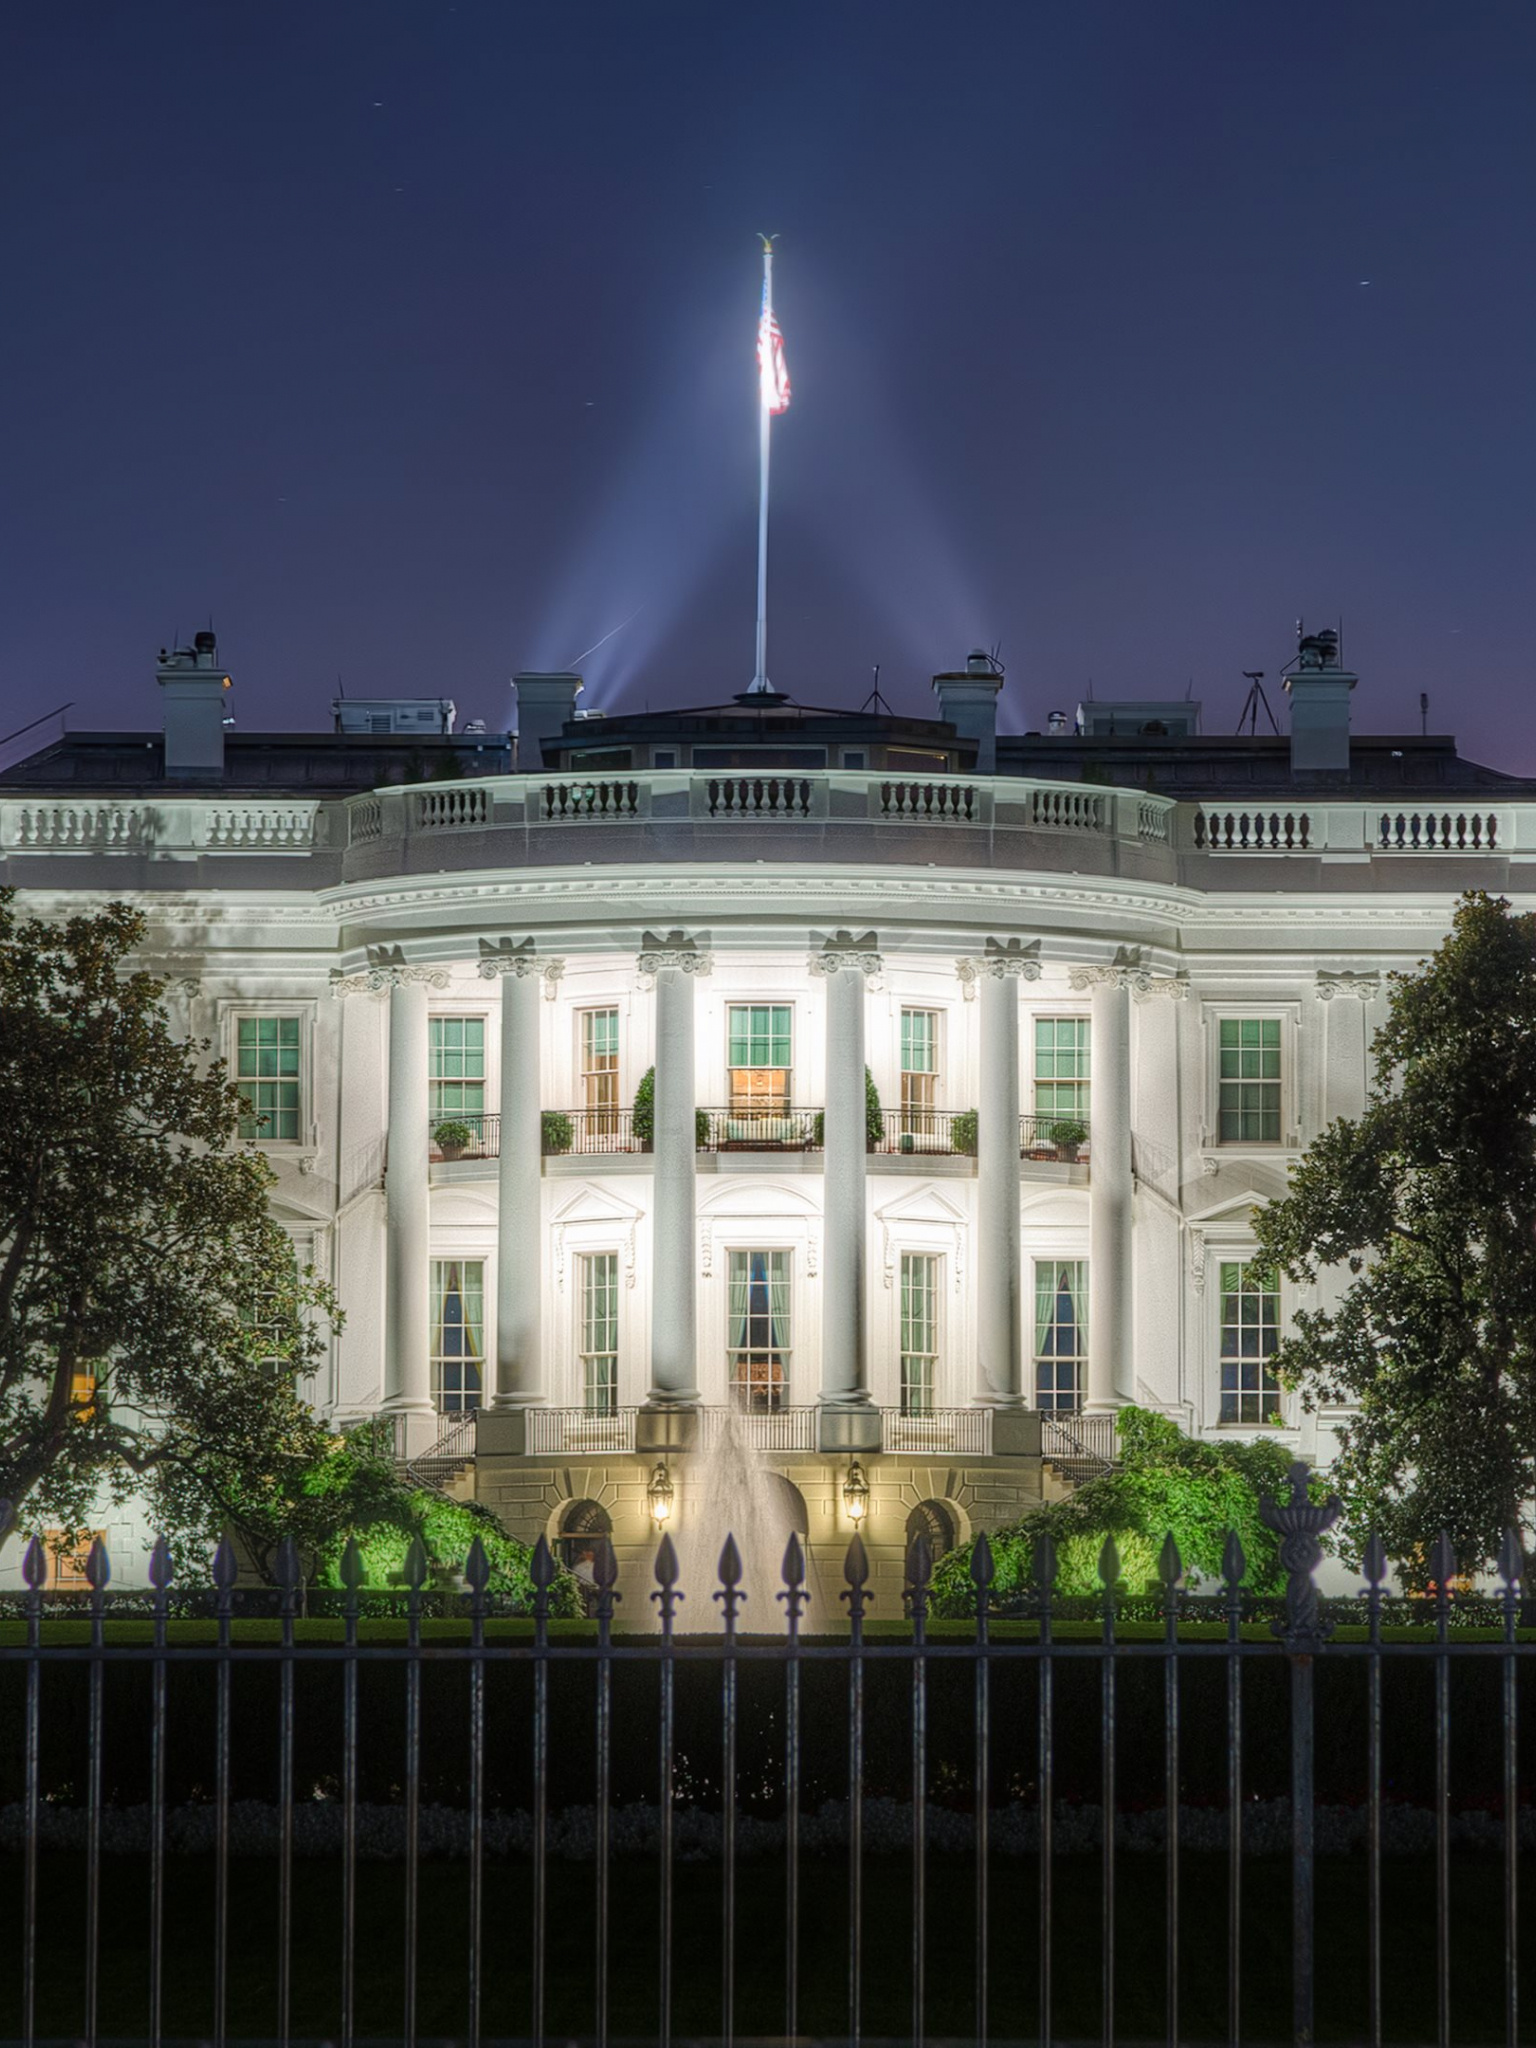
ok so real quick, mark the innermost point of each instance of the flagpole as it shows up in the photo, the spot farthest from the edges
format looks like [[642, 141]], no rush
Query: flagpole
[[760, 680]]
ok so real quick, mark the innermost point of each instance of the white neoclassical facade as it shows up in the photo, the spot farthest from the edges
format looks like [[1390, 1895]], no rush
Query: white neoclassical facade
[[894, 1095]]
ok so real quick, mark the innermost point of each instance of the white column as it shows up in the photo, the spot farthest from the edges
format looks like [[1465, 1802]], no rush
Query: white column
[[845, 1143], [1111, 1356], [407, 1336], [674, 1354], [999, 1310], [520, 1261]]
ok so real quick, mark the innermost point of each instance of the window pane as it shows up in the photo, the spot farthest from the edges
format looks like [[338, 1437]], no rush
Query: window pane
[[458, 1333], [758, 1328], [1249, 1106], [1061, 1067], [919, 1042], [1250, 1335], [759, 1035], [267, 1076], [599, 1331], [457, 1067], [1061, 1332], [919, 1331]]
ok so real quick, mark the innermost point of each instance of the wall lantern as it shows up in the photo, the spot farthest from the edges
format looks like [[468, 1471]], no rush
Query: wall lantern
[[856, 1493], [658, 1496]]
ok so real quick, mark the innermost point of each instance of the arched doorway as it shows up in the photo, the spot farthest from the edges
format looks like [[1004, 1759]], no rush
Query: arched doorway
[[933, 1520], [584, 1527]]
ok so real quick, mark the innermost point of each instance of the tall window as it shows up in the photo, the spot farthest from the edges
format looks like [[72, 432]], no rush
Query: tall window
[[1250, 1331], [1250, 1081], [600, 1062], [1061, 1067], [457, 1072], [600, 1332], [267, 1075], [919, 1331], [759, 1055], [919, 1069], [1061, 1332], [759, 1338], [458, 1333]]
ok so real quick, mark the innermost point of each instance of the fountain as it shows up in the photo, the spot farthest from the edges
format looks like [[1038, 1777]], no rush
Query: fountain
[[727, 1490]]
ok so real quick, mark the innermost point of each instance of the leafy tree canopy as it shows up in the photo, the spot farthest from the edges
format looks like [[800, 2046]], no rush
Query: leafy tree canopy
[[1164, 1483], [154, 1324], [1420, 1218]]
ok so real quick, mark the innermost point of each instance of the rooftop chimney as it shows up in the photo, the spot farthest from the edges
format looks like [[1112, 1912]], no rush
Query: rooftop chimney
[[544, 703], [193, 685], [968, 701], [1319, 692]]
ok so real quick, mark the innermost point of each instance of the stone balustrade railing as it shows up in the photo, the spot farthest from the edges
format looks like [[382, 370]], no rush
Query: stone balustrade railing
[[971, 811]]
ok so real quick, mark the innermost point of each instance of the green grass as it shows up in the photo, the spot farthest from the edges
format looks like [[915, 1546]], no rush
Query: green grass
[[1408, 1974]]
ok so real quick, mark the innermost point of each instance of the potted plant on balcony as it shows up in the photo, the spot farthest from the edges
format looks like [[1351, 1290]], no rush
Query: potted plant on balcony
[[874, 1119], [453, 1138], [556, 1131], [642, 1121], [962, 1133], [1068, 1136]]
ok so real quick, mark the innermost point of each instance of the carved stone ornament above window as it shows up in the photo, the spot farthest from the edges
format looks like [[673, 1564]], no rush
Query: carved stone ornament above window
[[1362, 986]]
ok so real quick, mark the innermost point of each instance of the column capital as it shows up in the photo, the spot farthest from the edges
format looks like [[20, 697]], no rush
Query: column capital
[[1364, 987], [675, 949], [998, 960], [504, 957], [1126, 970], [844, 953], [387, 968]]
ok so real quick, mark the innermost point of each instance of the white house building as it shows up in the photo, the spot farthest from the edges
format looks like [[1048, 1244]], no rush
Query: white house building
[[560, 1057]]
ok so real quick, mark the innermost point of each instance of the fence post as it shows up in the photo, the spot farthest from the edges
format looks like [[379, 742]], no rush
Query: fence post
[[1299, 1523]]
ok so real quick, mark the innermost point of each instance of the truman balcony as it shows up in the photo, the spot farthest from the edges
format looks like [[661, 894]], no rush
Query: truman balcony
[[1050, 1147]]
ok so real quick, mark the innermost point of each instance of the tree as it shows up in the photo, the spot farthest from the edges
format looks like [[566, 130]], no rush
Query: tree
[[154, 1323], [1165, 1483], [1424, 1208]]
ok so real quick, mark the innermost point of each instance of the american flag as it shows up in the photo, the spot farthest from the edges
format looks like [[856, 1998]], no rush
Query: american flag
[[772, 370]]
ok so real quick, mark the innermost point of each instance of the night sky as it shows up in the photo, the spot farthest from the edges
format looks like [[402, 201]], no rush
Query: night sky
[[415, 344]]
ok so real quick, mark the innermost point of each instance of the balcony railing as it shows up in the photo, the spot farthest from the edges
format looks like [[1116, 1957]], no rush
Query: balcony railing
[[759, 1130], [484, 1135], [580, 1429], [967, 1431], [760, 1429], [1047, 1137], [1083, 1445], [927, 1130], [589, 1130]]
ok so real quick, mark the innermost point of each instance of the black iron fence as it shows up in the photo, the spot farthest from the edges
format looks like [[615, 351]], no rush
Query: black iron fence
[[960, 1882]]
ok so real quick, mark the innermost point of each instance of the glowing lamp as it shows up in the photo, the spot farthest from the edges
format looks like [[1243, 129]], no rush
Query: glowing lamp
[[658, 1496], [856, 1493]]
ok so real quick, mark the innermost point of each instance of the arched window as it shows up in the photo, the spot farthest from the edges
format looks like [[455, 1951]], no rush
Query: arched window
[[932, 1519], [583, 1527]]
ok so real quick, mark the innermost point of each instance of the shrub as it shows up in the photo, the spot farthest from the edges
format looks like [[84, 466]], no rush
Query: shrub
[[452, 1132], [1070, 1131], [962, 1133], [1166, 1483], [556, 1130], [643, 1117]]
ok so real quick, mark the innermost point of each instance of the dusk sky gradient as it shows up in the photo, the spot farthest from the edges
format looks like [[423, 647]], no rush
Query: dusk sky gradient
[[415, 344]]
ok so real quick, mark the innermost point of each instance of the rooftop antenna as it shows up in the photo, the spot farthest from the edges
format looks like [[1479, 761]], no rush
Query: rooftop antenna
[[1424, 714], [875, 697], [1252, 702]]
